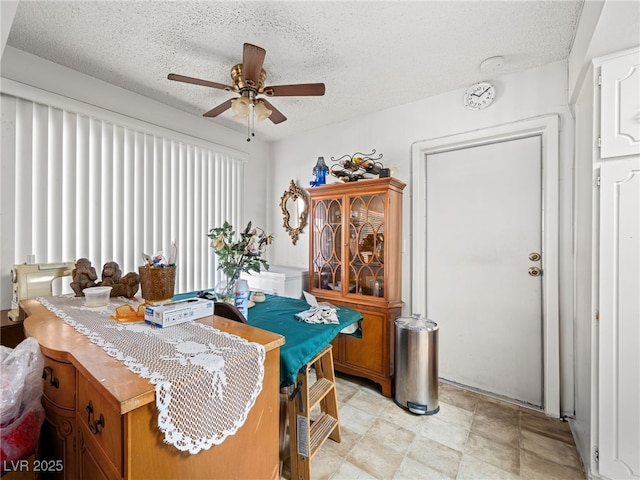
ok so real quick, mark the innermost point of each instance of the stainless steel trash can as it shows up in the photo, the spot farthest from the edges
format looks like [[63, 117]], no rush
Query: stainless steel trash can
[[416, 364]]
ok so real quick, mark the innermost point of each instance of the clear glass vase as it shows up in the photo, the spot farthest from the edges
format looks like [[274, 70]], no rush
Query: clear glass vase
[[226, 288]]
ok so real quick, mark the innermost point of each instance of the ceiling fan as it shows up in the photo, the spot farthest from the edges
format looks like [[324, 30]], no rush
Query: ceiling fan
[[248, 81]]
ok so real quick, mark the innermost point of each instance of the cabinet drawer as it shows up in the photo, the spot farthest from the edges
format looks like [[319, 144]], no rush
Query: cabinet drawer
[[92, 464], [59, 383], [100, 423], [56, 446]]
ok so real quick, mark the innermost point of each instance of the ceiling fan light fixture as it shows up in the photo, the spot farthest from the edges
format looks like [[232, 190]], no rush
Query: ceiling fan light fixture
[[248, 82], [240, 107], [261, 111]]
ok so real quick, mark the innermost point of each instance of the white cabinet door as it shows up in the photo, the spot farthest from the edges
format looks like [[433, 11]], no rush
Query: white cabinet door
[[620, 106], [619, 324]]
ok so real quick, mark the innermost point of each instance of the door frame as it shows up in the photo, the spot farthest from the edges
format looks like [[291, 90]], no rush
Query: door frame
[[547, 127]]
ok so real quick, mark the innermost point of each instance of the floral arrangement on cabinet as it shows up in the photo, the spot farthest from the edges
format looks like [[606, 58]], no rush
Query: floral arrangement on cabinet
[[238, 255]]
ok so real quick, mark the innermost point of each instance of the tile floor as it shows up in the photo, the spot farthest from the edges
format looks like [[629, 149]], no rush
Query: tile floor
[[472, 437]]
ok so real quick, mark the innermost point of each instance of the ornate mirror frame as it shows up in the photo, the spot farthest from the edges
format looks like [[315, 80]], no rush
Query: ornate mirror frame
[[294, 193]]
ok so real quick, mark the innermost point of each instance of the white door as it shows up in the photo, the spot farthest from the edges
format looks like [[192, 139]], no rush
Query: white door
[[483, 221], [619, 320]]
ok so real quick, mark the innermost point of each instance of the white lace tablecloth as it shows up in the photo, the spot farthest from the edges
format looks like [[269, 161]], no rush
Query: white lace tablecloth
[[206, 380]]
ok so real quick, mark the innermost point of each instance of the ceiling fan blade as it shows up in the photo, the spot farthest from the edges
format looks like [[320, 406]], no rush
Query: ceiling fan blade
[[197, 81], [276, 115], [214, 112], [302, 89], [252, 60]]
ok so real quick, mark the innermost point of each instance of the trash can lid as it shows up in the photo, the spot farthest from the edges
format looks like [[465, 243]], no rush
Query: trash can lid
[[416, 322]]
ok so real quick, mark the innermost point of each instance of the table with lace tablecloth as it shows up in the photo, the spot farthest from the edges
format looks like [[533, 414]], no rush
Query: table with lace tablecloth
[[209, 386]]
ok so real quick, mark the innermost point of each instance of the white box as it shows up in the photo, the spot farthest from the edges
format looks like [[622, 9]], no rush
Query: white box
[[181, 311], [279, 280]]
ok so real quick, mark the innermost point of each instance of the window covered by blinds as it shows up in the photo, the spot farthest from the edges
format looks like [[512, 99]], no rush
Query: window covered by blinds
[[90, 187]]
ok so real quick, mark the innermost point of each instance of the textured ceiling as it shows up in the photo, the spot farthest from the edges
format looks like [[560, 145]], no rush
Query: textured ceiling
[[371, 55]]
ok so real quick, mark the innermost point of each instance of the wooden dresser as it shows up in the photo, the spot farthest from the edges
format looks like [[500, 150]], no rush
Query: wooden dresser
[[101, 419]]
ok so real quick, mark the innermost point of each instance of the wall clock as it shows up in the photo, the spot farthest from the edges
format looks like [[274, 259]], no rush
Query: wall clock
[[479, 95]]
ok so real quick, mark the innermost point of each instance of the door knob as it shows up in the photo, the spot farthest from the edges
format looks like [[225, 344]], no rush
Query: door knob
[[534, 256], [535, 271]]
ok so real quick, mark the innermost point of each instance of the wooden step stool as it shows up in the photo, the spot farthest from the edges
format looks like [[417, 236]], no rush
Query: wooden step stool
[[306, 436]]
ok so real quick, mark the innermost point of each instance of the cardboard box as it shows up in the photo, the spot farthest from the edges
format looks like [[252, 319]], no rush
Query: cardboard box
[[181, 311]]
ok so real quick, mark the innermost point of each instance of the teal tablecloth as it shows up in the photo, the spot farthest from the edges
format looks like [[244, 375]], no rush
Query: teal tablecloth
[[303, 341]]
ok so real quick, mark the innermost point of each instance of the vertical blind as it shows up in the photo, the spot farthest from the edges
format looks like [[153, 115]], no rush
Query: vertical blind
[[87, 187]]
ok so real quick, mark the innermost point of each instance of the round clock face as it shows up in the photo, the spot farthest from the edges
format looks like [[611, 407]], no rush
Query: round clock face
[[479, 95]]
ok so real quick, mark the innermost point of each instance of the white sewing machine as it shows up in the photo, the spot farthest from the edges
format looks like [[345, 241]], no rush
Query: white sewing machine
[[35, 280]]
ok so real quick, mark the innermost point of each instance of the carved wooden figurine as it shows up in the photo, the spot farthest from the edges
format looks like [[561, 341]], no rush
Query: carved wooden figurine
[[111, 274], [84, 276], [126, 286]]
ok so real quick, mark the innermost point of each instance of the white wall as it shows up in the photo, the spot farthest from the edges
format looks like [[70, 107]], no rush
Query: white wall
[[583, 245], [7, 13], [391, 132], [30, 70]]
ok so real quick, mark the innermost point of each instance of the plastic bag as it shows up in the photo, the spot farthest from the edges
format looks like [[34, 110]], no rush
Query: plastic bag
[[21, 411]]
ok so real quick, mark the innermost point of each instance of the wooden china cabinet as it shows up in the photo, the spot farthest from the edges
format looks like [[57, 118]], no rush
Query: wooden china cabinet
[[355, 260]]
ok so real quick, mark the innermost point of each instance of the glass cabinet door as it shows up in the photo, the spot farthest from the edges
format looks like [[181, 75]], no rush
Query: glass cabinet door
[[327, 245], [365, 274]]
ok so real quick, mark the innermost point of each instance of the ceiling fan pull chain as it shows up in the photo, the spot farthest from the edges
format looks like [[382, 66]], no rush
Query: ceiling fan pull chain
[[250, 130]]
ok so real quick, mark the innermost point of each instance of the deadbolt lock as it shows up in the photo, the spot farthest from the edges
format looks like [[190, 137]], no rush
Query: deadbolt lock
[[535, 271], [534, 256]]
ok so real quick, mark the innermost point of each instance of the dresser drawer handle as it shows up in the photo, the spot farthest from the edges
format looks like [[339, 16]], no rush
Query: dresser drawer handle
[[53, 381], [93, 424]]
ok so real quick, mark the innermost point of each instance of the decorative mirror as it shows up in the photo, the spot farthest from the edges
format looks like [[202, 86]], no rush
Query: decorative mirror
[[295, 208]]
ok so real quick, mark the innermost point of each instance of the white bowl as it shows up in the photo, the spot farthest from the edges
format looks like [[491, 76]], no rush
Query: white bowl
[[96, 296]]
